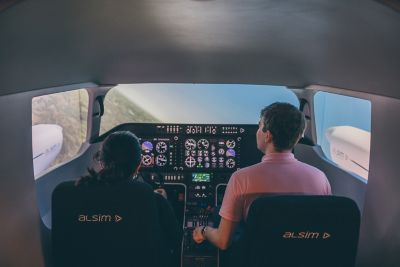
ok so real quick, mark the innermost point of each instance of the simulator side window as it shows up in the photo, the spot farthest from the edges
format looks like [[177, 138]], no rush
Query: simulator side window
[[59, 126], [343, 127]]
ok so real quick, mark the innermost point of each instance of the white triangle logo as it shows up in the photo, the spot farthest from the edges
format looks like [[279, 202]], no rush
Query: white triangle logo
[[118, 218]]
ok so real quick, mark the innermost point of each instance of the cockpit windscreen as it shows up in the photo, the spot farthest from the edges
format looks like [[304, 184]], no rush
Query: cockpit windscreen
[[190, 103]]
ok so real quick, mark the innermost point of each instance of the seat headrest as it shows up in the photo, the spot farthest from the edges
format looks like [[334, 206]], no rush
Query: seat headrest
[[303, 230], [104, 225]]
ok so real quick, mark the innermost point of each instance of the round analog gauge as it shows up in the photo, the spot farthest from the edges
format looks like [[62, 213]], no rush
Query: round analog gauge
[[203, 144], [190, 144], [230, 163], [161, 160], [161, 147], [230, 143], [190, 162], [147, 160], [147, 146]]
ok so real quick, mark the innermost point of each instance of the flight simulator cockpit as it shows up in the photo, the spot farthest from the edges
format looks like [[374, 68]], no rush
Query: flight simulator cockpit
[[193, 163]]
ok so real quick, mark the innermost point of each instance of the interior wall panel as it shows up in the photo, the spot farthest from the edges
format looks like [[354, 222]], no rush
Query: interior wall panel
[[380, 236], [342, 182], [19, 226], [20, 244]]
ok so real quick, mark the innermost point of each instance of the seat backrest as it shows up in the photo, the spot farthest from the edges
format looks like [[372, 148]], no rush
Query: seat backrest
[[301, 231], [105, 225]]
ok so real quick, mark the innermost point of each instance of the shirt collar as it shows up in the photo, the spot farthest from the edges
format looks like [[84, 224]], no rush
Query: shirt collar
[[278, 157]]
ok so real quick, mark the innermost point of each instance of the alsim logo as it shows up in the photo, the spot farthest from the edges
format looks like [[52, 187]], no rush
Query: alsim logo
[[306, 235], [99, 218]]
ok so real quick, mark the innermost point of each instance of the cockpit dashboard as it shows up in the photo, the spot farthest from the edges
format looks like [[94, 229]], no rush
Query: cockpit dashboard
[[193, 163], [197, 150]]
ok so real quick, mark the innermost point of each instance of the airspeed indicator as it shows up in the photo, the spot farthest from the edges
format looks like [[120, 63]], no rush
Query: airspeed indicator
[[190, 144], [161, 147]]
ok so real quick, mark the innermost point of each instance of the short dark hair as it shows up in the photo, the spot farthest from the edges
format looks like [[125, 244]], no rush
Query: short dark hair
[[285, 122]]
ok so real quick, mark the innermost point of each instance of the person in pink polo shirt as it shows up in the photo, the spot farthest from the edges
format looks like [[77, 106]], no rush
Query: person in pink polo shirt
[[281, 126]]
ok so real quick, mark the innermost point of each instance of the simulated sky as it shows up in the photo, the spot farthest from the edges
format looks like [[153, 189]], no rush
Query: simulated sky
[[206, 103]]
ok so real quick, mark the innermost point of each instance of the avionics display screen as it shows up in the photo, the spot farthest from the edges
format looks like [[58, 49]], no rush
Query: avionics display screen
[[201, 177]]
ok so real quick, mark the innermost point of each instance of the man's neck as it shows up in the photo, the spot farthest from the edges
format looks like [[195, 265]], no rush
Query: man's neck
[[271, 149]]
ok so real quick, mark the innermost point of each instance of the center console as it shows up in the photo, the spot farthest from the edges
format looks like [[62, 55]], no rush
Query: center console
[[193, 163]]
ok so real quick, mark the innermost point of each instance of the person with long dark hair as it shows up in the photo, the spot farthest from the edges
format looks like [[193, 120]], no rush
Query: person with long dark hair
[[120, 159]]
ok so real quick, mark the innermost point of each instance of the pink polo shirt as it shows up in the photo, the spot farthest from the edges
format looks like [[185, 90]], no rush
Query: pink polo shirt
[[276, 173]]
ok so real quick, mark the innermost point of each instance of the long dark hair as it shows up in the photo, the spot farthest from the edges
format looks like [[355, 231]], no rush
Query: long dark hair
[[120, 156]]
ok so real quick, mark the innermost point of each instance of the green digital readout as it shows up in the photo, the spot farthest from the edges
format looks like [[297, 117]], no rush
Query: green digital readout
[[201, 177]]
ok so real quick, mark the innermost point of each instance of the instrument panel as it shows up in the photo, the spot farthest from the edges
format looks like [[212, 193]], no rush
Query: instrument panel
[[199, 156], [190, 153], [180, 147], [193, 163]]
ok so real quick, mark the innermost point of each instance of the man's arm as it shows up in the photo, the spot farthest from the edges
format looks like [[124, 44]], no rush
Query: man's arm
[[231, 214], [220, 237]]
